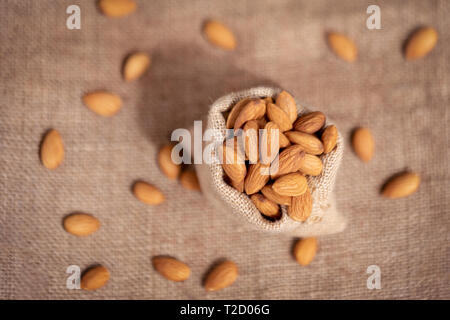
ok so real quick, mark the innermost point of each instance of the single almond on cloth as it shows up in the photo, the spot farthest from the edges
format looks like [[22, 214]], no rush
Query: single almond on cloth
[[52, 150], [329, 138], [305, 250], [253, 110], [189, 180], [342, 46], [221, 276], [270, 142], [363, 144], [234, 113], [265, 206], [292, 184], [135, 65], [310, 143], [257, 177], [233, 161], [287, 102], [401, 185], [94, 278], [251, 133], [277, 115], [270, 194], [301, 207], [81, 224], [420, 43], [166, 164], [103, 103], [219, 35], [311, 165], [148, 193], [117, 8], [171, 268], [289, 160], [310, 123]]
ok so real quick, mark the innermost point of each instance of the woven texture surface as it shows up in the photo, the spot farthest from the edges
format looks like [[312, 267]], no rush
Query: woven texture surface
[[46, 68], [324, 219]]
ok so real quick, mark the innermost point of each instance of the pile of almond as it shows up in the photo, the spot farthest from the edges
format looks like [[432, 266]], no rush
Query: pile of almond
[[271, 165]]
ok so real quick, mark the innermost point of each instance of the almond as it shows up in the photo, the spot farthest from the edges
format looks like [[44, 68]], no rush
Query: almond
[[401, 185], [234, 113], [268, 100], [238, 185], [301, 207], [270, 194], [148, 193], [257, 177], [166, 164], [305, 250], [219, 35], [171, 269], [329, 138], [253, 110], [103, 103], [289, 160], [81, 224], [310, 123], [277, 115], [117, 8], [420, 43], [135, 66], [221, 276], [342, 46], [94, 278], [52, 150], [251, 130], [233, 161], [270, 142], [311, 165], [265, 206], [292, 184], [189, 180], [309, 143], [286, 102], [284, 141], [363, 144]]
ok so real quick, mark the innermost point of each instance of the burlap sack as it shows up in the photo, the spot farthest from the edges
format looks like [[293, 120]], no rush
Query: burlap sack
[[324, 218]]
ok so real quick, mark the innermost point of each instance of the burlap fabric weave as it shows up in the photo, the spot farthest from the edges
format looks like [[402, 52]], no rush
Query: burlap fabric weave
[[46, 68], [324, 218]]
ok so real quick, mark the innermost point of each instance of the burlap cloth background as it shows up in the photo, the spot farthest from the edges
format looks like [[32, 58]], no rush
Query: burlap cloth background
[[45, 68]]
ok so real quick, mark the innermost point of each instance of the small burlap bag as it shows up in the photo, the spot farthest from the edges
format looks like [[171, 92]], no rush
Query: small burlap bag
[[324, 218]]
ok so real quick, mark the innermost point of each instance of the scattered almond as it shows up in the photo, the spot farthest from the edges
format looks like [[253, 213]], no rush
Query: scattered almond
[[287, 103], [117, 8], [148, 193], [420, 43], [189, 180], [305, 250], [253, 110], [301, 207], [257, 177], [401, 185], [171, 269], [363, 144], [277, 115], [265, 206], [166, 164], [235, 111], [135, 66], [342, 46], [292, 184], [311, 165], [270, 194], [219, 35], [310, 123], [221, 276], [94, 278], [52, 150], [103, 103], [81, 224], [329, 138], [309, 143]]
